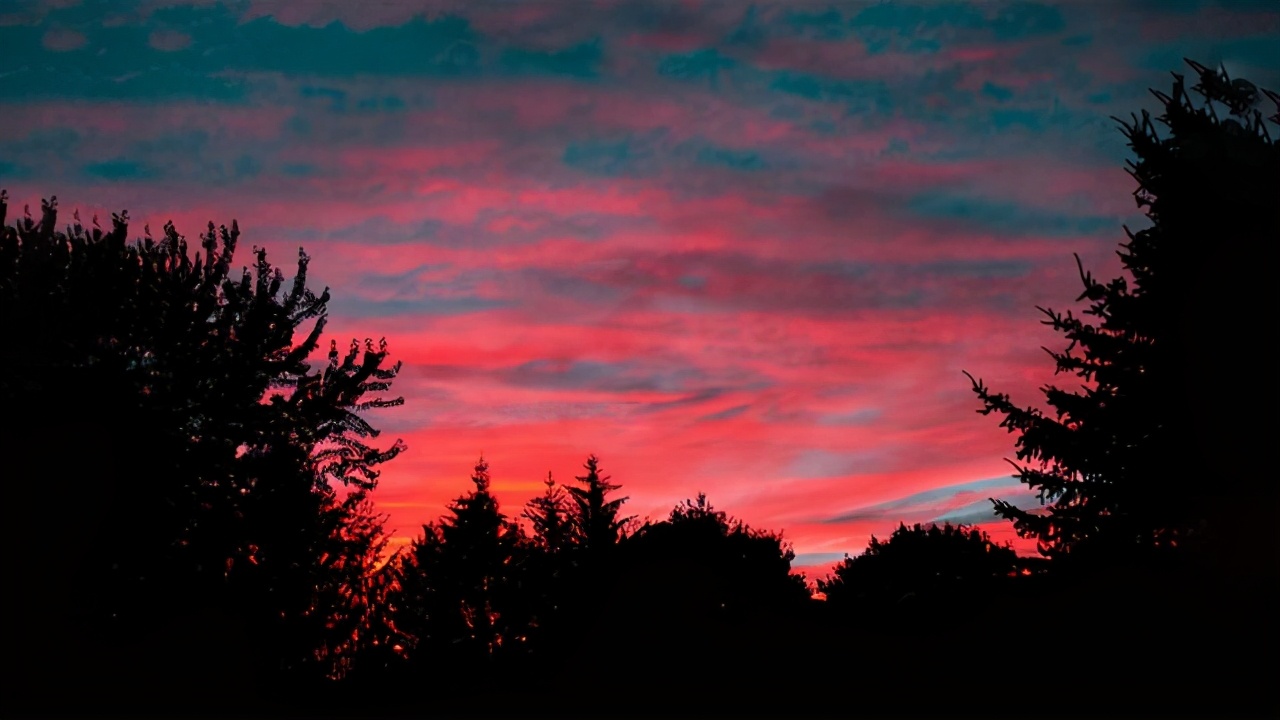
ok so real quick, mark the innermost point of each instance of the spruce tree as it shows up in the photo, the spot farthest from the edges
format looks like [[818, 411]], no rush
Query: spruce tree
[[548, 564], [1157, 449], [459, 595], [596, 524], [549, 518]]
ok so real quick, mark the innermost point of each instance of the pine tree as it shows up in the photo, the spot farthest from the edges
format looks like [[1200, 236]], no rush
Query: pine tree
[[549, 518], [459, 596], [596, 524], [548, 563], [1155, 449]]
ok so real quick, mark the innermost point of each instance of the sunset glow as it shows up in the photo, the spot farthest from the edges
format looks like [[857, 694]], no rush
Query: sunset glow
[[742, 250]]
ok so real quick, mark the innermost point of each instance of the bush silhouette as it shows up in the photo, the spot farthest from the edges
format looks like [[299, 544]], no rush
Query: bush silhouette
[[916, 562]]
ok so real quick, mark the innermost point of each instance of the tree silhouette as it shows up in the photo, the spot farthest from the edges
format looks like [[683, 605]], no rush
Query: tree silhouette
[[459, 597], [596, 524], [696, 591], [915, 562], [213, 489], [700, 561], [550, 519], [548, 564], [1134, 460]]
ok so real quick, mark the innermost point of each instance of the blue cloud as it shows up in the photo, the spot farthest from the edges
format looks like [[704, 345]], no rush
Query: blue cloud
[[912, 28], [701, 65], [816, 464], [581, 61], [854, 272], [119, 170], [223, 50], [443, 46], [895, 510], [857, 418], [299, 170], [1024, 19], [987, 269], [156, 83], [996, 92], [376, 229], [905, 18], [351, 306], [608, 157], [40, 153], [389, 103], [624, 376], [749, 31], [13, 171], [1004, 217], [246, 166], [712, 155], [337, 98], [726, 414], [858, 95], [1003, 119], [821, 25]]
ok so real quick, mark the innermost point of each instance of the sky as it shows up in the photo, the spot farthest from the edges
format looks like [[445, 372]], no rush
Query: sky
[[742, 249]]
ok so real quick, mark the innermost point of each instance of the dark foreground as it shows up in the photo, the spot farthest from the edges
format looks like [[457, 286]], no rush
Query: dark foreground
[[1113, 647]]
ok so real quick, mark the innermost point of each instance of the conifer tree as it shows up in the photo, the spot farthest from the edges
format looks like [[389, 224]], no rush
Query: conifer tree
[[548, 564], [596, 524], [1155, 450], [550, 519], [459, 596]]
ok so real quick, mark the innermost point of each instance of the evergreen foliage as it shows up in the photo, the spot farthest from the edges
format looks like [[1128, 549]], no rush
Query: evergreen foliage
[[460, 597], [1133, 461], [549, 515], [596, 524]]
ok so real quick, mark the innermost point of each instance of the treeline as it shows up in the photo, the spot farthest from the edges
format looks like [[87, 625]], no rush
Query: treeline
[[192, 519]]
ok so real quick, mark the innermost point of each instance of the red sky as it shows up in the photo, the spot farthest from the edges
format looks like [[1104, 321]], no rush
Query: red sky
[[744, 250]]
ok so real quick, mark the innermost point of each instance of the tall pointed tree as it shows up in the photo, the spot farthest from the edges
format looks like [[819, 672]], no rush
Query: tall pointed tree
[[550, 518], [548, 564], [1156, 449], [597, 525], [459, 597]]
